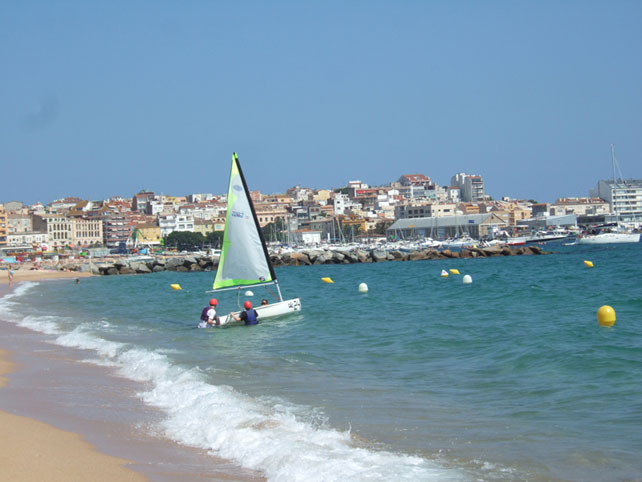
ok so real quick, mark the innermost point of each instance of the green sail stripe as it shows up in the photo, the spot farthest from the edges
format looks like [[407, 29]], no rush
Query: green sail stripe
[[231, 199], [242, 282]]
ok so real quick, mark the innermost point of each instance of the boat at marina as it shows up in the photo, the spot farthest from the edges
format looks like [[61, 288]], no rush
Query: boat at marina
[[460, 243], [244, 259], [608, 234], [544, 236]]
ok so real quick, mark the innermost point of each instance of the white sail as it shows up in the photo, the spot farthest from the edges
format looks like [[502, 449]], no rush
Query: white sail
[[244, 260]]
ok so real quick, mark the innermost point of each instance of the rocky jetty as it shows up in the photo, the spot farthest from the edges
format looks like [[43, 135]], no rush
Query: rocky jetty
[[306, 257]]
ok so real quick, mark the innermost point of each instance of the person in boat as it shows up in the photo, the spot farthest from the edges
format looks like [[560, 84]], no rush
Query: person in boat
[[264, 302], [209, 316], [249, 316]]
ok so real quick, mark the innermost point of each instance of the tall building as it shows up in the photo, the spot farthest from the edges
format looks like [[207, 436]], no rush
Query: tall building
[[624, 196], [471, 186], [141, 202], [116, 229], [3, 226]]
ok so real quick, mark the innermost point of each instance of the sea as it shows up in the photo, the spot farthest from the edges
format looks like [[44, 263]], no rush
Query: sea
[[422, 378]]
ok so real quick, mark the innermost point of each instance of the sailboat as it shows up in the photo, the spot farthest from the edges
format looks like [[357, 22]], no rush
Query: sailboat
[[244, 259]]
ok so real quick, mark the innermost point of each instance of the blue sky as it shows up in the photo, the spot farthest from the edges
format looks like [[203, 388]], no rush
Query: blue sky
[[108, 98]]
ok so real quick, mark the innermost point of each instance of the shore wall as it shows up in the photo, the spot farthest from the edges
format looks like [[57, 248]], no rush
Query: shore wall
[[124, 265]]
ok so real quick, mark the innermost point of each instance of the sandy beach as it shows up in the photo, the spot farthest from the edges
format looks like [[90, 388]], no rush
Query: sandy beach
[[32, 451], [25, 273]]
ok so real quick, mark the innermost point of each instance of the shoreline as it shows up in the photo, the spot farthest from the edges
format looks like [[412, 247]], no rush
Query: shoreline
[[89, 421], [33, 450]]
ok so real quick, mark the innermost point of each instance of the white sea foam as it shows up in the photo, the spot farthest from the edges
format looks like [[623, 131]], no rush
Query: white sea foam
[[285, 442]]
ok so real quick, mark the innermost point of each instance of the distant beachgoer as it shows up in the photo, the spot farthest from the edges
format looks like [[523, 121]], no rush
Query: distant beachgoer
[[10, 275], [249, 316], [209, 316], [77, 281], [264, 302]]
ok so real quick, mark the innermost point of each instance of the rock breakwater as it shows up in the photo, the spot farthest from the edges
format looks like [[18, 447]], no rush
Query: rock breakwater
[[106, 267]]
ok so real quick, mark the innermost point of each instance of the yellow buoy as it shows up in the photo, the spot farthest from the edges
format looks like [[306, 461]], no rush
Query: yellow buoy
[[606, 316], [363, 288], [444, 273], [589, 264], [454, 271], [327, 280], [176, 287]]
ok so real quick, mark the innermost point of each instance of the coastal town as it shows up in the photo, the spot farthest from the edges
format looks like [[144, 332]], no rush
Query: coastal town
[[411, 208]]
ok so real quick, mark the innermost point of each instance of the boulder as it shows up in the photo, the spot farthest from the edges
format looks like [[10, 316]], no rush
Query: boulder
[[450, 254], [379, 255], [173, 264], [140, 267], [188, 261], [300, 258]]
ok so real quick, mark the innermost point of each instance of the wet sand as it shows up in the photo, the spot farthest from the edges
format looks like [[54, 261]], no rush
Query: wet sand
[[32, 450], [69, 419]]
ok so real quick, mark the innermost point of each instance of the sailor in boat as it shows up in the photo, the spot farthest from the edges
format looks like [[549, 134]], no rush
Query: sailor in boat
[[264, 302], [209, 316], [249, 316]]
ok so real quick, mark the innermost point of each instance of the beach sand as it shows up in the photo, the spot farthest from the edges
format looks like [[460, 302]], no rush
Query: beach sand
[[25, 273], [32, 450], [65, 419]]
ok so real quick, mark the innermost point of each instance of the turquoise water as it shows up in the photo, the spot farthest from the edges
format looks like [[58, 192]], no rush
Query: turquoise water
[[422, 378]]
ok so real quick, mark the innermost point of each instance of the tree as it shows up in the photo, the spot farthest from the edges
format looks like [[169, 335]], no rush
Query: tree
[[214, 239], [185, 240], [274, 231]]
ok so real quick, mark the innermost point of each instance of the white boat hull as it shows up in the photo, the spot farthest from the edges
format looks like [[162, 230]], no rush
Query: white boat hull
[[608, 238], [269, 311]]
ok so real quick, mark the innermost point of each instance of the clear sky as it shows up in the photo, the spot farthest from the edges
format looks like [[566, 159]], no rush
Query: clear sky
[[107, 98]]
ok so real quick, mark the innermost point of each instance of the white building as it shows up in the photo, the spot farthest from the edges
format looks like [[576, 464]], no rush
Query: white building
[[342, 204], [27, 240], [305, 237], [624, 196], [175, 222], [471, 186]]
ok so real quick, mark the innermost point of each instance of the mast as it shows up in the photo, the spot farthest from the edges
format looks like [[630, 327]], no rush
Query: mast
[[613, 163]]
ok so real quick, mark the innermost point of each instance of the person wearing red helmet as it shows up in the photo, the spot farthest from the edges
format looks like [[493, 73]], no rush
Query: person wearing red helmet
[[209, 316], [249, 316]]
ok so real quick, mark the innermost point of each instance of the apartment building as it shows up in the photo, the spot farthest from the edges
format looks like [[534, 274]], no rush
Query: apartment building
[[471, 185], [3, 226], [425, 209], [586, 206], [624, 196], [117, 228], [175, 222]]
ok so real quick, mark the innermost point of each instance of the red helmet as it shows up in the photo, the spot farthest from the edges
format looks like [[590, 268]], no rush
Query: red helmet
[[248, 305], [213, 302]]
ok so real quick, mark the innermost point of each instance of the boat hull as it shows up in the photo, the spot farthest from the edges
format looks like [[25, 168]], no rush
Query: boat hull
[[269, 311], [609, 238]]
